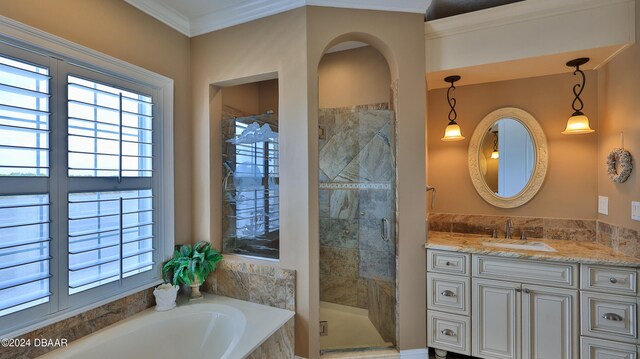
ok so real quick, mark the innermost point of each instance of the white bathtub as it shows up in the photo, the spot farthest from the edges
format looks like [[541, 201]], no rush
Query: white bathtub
[[216, 327]]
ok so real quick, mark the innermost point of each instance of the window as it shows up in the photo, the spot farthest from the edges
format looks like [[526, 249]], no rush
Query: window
[[110, 237], [109, 130], [256, 187], [24, 118], [251, 168], [83, 190], [24, 252]]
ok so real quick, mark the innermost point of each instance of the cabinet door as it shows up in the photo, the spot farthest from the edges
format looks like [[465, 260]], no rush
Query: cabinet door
[[496, 319], [592, 348], [549, 323]]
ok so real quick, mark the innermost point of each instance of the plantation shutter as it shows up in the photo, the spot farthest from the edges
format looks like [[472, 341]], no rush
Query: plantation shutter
[[111, 225], [24, 167]]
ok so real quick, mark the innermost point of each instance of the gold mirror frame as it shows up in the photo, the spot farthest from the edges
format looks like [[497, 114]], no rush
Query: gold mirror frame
[[539, 169]]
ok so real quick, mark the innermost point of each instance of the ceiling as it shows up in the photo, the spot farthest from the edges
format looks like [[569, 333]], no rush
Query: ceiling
[[197, 17]]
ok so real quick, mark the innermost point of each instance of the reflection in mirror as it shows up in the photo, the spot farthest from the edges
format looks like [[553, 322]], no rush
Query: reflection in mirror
[[507, 157]]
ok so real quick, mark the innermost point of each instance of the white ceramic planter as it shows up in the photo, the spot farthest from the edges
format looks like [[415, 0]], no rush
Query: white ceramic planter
[[165, 297], [195, 290]]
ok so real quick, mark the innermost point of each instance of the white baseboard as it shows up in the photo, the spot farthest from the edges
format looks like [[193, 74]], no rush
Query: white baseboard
[[415, 353], [404, 354]]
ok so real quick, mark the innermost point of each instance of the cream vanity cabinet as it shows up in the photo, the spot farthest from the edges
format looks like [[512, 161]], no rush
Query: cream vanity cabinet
[[498, 307], [519, 308], [517, 313], [609, 312]]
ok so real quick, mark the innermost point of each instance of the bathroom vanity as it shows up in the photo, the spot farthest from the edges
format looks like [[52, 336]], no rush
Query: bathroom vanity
[[511, 299]]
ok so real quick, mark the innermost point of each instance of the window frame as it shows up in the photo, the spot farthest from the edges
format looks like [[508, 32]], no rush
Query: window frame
[[58, 55]]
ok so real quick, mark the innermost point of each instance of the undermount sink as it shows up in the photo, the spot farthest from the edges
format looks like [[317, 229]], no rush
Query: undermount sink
[[526, 245]]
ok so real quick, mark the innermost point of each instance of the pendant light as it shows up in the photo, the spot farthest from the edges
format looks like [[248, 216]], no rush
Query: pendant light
[[452, 132], [578, 123], [495, 154]]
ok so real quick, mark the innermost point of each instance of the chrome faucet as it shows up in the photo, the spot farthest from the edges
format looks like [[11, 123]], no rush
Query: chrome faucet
[[507, 232]]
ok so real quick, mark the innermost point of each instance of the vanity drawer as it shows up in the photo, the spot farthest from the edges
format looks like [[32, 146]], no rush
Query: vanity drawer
[[609, 279], [448, 332], [526, 271], [608, 316], [447, 262], [448, 293], [591, 348]]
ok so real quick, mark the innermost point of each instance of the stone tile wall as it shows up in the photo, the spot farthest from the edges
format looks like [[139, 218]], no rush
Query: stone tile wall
[[536, 227], [262, 284], [357, 174], [280, 344], [622, 239], [82, 324], [382, 305], [257, 283]]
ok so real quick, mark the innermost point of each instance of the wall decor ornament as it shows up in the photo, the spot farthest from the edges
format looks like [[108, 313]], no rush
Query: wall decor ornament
[[620, 158]]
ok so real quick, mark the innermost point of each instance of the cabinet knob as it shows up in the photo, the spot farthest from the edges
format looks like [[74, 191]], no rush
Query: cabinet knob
[[613, 280], [448, 332], [527, 290], [613, 317], [447, 263], [447, 293], [518, 290]]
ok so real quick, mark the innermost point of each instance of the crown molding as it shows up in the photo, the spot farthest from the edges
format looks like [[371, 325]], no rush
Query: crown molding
[[514, 13], [163, 13], [247, 10], [241, 12], [412, 6]]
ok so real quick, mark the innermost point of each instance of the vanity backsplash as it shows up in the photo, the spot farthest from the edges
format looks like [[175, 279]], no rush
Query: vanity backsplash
[[619, 238]]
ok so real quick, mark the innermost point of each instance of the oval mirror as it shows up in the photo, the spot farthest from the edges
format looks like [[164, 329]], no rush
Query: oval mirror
[[508, 157]]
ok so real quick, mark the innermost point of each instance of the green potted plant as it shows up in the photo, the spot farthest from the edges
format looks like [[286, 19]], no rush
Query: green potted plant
[[191, 265]]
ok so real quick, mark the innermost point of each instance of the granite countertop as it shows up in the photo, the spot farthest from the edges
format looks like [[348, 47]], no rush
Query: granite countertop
[[566, 250]]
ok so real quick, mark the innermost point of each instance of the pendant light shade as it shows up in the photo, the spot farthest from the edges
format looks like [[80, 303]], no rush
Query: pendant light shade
[[452, 132], [578, 123]]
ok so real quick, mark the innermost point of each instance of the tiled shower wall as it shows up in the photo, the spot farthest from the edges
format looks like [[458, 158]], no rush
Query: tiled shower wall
[[357, 175]]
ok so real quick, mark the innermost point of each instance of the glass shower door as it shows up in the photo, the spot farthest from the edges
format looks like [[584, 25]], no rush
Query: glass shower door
[[357, 227]]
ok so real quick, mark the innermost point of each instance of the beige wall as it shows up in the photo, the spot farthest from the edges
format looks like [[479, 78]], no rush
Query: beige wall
[[265, 48], [245, 97], [353, 77], [619, 105], [399, 37], [268, 96], [570, 188], [254, 98], [291, 45], [118, 29]]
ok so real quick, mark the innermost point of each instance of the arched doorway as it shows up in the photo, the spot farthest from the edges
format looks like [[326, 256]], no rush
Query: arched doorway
[[357, 199]]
